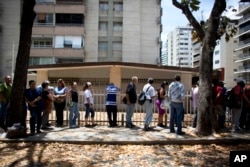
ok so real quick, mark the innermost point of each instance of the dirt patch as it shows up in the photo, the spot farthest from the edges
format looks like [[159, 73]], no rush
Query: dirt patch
[[68, 155]]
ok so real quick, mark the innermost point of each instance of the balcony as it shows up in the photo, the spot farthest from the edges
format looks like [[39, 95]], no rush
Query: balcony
[[243, 44], [244, 29], [243, 69], [243, 57], [244, 19], [58, 30], [45, 1], [70, 1], [57, 52]]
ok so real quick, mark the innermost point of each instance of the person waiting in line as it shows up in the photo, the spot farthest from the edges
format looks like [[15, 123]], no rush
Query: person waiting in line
[[33, 98], [111, 105], [176, 94], [89, 103], [73, 105], [149, 103], [5, 90], [131, 98], [60, 93], [161, 95], [47, 99], [194, 98]]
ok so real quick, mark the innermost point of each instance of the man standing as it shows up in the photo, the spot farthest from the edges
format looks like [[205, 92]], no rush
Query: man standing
[[33, 98], [111, 105], [131, 97], [149, 104], [176, 94], [245, 115], [5, 90]]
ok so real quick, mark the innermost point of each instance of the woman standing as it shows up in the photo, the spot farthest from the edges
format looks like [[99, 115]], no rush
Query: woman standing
[[89, 101], [73, 105], [47, 99], [161, 94], [59, 101]]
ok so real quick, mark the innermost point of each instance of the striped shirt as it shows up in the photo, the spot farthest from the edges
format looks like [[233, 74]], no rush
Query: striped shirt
[[111, 91]]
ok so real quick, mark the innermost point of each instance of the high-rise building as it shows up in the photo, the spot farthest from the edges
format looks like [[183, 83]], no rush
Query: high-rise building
[[242, 52], [76, 31], [179, 47], [72, 31]]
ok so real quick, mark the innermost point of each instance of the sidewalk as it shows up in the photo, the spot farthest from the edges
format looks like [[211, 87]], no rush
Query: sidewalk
[[122, 135]]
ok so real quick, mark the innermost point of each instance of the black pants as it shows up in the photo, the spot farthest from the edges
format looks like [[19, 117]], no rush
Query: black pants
[[111, 109], [59, 107]]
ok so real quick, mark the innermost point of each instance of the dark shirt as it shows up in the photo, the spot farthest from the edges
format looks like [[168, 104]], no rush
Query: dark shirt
[[131, 91], [31, 95], [74, 96]]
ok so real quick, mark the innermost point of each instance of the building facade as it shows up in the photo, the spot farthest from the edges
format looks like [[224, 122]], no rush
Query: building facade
[[78, 31], [10, 12], [242, 51], [179, 47]]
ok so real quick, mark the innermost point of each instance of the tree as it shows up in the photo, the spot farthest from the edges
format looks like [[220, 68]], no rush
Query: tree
[[208, 33], [22, 62]]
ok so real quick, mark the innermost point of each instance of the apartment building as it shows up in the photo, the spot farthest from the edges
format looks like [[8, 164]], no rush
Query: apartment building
[[10, 12], [179, 47], [242, 51], [76, 31]]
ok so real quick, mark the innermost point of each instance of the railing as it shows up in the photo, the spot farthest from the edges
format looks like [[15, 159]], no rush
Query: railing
[[138, 116]]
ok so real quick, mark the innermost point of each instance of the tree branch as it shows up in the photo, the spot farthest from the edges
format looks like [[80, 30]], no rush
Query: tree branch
[[196, 25]]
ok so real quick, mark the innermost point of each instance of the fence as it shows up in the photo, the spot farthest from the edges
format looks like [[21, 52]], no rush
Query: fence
[[138, 116]]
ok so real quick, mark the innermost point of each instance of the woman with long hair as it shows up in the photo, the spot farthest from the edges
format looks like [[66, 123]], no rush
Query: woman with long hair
[[161, 94]]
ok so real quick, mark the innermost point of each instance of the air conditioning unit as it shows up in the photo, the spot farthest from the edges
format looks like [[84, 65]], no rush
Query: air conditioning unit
[[158, 40], [158, 20]]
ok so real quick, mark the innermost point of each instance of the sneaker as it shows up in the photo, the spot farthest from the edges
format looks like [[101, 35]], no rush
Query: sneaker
[[133, 125], [72, 126], [172, 131], [45, 127], [38, 131], [129, 126], [161, 125], [181, 133]]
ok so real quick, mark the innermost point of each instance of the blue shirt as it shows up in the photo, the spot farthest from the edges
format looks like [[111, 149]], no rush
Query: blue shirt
[[32, 95], [176, 92], [111, 91]]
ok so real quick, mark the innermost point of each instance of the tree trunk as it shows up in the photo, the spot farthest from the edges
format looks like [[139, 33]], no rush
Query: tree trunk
[[207, 121], [22, 62]]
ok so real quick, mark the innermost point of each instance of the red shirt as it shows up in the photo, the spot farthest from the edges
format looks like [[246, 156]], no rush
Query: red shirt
[[217, 93]]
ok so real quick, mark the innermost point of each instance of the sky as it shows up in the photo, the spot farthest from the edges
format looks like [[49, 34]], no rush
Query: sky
[[172, 17]]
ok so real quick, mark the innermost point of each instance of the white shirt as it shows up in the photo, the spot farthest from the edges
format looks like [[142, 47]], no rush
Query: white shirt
[[88, 95], [151, 91]]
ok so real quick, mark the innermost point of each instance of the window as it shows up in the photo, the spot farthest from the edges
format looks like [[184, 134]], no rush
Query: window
[[103, 26], [41, 60], [117, 46], [44, 18], [216, 52], [103, 6], [217, 61], [117, 26], [69, 42], [118, 7], [41, 42], [69, 19], [103, 46]]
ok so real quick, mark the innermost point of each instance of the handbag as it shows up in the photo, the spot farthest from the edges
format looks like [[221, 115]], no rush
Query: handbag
[[124, 100]]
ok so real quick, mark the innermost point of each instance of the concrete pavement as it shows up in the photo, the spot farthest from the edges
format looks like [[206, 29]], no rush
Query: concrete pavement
[[122, 135]]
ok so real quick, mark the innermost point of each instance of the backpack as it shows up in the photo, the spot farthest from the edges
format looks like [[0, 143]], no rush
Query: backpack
[[231, 101], [142, 97]]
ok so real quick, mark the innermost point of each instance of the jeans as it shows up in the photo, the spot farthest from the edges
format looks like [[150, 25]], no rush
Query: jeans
[[73, 113], [176, 111], [149, 112], [195, 117], [59, 112], [89, 110], [36, 118], [129, 113], [3, 114], [236, 118], [112, 109]]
